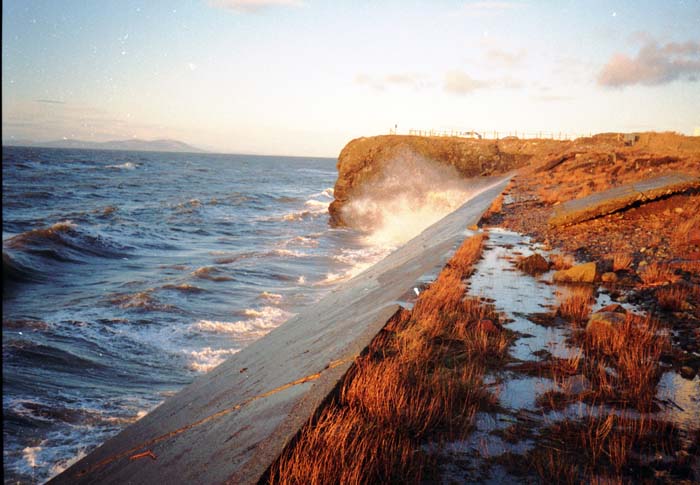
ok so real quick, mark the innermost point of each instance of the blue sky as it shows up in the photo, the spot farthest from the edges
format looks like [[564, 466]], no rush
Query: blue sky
[[302, 77]]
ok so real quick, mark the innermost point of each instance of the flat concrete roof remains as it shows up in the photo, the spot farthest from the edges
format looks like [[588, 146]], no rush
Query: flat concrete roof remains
[[619, 198], [230, 424]]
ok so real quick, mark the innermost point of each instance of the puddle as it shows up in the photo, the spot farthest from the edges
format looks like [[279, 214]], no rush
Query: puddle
[[520, 392], [682, 398], [517, 295]]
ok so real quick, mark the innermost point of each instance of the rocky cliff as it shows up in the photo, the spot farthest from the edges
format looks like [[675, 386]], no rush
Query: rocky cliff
[[364, 159]]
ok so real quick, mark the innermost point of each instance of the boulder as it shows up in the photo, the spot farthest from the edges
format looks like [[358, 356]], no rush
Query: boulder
[[609, 277], [534, 264], [693, 237], [613, 307], [688, 372], [602, 324], [581, 273]]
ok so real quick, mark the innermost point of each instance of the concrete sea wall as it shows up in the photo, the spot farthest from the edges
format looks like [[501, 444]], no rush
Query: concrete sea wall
[[231, 423]]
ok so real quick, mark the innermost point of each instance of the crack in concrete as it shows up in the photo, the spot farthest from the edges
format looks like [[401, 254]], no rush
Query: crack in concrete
[[132, 452]]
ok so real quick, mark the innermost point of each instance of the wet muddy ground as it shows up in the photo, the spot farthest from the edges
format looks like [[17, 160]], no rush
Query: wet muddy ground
[[506, 443]]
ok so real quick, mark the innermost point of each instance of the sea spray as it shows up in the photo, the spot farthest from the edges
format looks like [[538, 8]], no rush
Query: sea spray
[[411, 194]]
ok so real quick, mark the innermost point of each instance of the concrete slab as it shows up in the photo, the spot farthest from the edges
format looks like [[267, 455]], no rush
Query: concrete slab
[[230, 424], [618, 198]]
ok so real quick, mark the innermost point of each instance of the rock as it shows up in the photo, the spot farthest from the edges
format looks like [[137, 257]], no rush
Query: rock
[[602, 324], [687, 372], [693, 237], [581, 273], [534, 264], [609, 277], [577, 384], [364, 163], [614, 308]]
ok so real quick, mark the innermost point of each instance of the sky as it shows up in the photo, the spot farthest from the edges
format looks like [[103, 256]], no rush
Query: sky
[[303, 77]]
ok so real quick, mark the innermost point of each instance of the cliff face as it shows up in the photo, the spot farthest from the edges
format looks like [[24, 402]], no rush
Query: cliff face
[[363, 159]]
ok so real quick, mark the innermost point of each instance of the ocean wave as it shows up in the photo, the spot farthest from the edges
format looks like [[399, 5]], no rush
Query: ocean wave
[[206, 359], [210, 273], [143, 300], [313, 208], [123, 166], [235, 257], [304, 241], [47, 356], [24, 324], [184, 288], [317, 205], [411, 194], [14, 271], [270, 296], [63, 242], [329, 192], [258, 323], [358, 260]]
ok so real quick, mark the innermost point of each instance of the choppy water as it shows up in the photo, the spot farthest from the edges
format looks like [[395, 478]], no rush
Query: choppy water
[[126, 274]]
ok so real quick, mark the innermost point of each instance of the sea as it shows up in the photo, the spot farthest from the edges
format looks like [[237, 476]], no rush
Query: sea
[[128, 274]]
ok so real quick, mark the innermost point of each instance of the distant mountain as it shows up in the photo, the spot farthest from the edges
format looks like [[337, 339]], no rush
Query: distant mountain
[[130, 145]]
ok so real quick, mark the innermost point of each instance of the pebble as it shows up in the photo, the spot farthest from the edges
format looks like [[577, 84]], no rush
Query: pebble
[[687, 372]]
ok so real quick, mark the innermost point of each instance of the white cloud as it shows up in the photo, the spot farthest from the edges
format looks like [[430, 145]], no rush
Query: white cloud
[[654, 64], [458, 82], [411, 80], [254, 5]]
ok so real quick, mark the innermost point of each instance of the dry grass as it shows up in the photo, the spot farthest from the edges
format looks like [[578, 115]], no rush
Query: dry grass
[[549, 195], [623, 364], [495, 208], [622, 262], [420, 381], [576, 306], [673, 298], [561, 261], [681, 236], [601, 447], [657, 274]]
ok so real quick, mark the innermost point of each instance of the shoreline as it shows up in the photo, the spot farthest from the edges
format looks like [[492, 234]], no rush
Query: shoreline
[[524, 206]]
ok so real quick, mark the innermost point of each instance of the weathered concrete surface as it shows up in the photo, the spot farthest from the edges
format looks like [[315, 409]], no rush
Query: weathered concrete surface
[[230, 424], [609, 201]]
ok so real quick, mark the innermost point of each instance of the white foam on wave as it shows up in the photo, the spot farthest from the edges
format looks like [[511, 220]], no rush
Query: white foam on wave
[[358, 260], [259, 323], [317, 205], [288, 253], [124, 166], [206, 359], [62, 465], [270, 296], [325, 193], [412, 194], [30, 454], [312, 207], [303, 241]]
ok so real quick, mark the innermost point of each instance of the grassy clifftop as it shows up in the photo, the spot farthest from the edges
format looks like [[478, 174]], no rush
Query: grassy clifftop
[[363, 159]]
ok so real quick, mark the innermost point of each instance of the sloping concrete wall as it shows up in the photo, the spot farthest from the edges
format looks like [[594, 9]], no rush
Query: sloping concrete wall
[[231, 423]]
